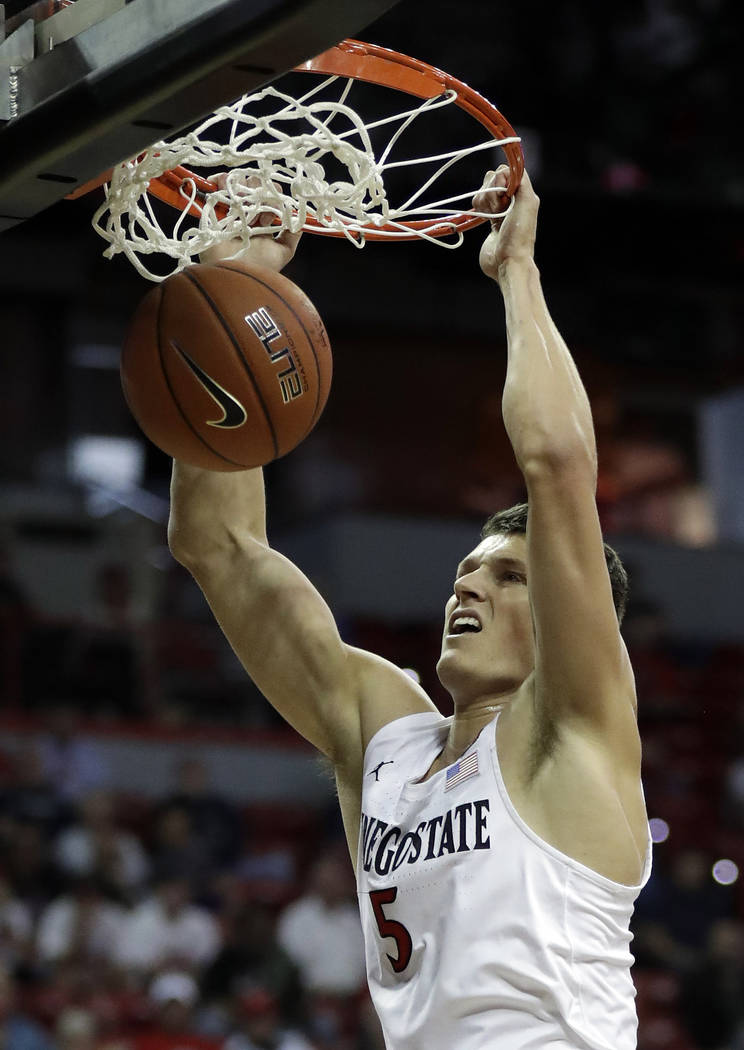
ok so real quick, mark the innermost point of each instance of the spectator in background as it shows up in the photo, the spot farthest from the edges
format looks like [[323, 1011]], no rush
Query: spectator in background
[[259, 1025], [110, 661], [251, 956], [214, 821], [95, 846], [16, 928], [329, 915], [115, 1001], [17, 1032], [176, 847], [73, 766], [713, 992], [82, 925], [168, 929], [173, 996], [76, 1029], [27, 864], [31, 797]]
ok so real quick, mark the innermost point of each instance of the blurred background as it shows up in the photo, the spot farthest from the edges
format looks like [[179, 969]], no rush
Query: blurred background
[[168, 848]]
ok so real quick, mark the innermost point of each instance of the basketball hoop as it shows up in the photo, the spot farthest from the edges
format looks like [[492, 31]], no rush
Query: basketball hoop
[[287, 174]]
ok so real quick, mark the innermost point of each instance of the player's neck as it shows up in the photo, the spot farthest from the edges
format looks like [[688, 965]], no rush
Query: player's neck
[[467, 725]]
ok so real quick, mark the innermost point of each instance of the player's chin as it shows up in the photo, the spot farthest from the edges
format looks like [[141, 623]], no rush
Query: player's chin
[[440, 668], [450, 665]]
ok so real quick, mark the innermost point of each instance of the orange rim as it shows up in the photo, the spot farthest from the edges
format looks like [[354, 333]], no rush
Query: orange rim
[[380, 65], [376, 65]]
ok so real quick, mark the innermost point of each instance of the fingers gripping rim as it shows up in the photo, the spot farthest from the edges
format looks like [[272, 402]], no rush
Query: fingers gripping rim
[[378, 65]]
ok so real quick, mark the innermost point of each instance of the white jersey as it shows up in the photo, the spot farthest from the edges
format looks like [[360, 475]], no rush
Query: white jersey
[[478, 934]]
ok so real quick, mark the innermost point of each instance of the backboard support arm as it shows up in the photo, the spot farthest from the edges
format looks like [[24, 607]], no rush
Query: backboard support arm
[[149, 71]]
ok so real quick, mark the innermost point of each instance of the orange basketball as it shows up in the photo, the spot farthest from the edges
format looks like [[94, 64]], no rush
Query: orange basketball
[[227, 366]]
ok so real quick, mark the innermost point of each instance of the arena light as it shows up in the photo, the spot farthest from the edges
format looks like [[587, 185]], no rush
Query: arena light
[[102, 459], [659, 829], [725, 872]]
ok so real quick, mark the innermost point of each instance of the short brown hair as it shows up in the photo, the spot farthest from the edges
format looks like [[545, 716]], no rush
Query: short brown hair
[[514, 520]]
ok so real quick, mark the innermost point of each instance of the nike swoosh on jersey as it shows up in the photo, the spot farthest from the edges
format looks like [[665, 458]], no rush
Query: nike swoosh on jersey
[[234, 414]]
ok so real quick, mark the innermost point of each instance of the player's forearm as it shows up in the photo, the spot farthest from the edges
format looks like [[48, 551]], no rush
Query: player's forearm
[[545, 407], [213, 511]]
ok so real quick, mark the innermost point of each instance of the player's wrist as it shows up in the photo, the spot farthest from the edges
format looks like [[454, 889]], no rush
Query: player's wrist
[[269, 260], [516, 268]]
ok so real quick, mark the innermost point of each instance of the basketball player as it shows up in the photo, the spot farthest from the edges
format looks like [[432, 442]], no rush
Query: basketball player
[[498, 852]]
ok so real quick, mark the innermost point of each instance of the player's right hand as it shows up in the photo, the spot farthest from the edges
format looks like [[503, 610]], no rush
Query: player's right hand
[[271, 250]]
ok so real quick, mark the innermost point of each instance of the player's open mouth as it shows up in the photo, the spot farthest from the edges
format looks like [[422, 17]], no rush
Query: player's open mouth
[[464, 625]]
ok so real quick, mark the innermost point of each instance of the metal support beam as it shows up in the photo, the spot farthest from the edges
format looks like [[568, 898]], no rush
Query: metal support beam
[[145, 73], [71, 21]]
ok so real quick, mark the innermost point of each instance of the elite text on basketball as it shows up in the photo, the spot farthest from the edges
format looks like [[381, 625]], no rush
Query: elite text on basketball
[[267, 331]]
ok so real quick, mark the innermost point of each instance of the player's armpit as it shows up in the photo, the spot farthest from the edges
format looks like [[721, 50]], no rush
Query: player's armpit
[[583, 676]]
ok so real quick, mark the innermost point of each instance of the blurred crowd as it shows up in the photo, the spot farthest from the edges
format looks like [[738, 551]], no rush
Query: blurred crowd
[[169, 924], [187, 921]]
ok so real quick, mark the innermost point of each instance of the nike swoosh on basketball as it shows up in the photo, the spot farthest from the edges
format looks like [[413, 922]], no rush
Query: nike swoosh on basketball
[[233, 413]]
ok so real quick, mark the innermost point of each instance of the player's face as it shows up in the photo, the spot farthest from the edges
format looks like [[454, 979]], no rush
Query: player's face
[[488, 646]]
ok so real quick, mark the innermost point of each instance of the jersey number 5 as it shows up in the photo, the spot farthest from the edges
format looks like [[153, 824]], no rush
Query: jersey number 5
[[391, 928]]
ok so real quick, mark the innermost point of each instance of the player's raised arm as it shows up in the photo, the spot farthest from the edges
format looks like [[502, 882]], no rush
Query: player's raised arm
[[582, 672], [275, 620], [280, 627]]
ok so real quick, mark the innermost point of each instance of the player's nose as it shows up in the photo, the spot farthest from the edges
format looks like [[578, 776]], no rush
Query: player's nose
[[470, 586]]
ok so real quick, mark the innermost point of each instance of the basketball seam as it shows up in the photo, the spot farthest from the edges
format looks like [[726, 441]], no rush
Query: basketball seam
[[239, 352], [316, 410], [176, 402]]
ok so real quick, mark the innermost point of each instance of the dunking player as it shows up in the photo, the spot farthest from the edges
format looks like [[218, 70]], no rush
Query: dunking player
[[498, 852]]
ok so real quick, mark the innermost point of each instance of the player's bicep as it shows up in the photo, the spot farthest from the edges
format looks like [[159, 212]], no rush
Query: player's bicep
[[285, 636], [582, 671]]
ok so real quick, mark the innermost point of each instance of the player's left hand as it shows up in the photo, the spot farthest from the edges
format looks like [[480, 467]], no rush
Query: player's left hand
[[512, 236], [273, 251]]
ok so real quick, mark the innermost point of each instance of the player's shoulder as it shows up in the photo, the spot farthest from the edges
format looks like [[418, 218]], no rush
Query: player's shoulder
[[385, 693], [409, 736]]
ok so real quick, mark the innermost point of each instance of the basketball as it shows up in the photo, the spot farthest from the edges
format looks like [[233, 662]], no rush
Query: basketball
[[226, 367]]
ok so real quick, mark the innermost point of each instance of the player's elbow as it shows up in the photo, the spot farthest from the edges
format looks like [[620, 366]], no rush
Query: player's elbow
[[178, 540], [200, 549], [554, 460], [187, 543]]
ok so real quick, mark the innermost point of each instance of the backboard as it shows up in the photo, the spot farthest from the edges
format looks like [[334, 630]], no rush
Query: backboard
[[87, 84]]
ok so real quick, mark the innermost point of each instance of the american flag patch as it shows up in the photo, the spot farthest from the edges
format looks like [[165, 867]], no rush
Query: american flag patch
[[466, 767]]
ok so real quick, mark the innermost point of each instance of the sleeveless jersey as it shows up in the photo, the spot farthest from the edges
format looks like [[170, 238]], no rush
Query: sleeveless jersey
[[479, 935]]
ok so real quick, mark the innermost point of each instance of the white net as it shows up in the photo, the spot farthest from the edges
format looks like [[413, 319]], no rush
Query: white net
[[280, 163]]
